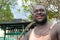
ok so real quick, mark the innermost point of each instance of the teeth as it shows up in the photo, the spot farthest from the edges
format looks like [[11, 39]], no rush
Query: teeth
[[39, 17]]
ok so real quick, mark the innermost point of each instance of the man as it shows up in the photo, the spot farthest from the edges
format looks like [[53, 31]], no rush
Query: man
[[43, 30]]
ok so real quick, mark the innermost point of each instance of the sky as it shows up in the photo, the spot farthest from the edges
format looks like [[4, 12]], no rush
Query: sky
[[20, 14]]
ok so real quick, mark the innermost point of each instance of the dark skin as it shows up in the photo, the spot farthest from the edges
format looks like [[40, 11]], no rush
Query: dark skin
[[39, 15]]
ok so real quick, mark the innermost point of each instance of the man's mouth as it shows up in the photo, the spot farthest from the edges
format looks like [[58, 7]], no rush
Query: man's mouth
[[39, 16]]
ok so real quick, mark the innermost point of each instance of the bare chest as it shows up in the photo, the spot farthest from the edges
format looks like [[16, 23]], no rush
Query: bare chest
[[39, 36], [42, 31]]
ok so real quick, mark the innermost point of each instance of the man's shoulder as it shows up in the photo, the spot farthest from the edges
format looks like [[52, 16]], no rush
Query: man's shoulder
[[55, 31], [57, 27], [29, 32], [27, 35]]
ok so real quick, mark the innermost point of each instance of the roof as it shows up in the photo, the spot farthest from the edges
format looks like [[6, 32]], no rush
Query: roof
[[13, 24]]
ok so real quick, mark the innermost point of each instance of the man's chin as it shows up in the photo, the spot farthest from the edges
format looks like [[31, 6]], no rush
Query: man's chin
[[39, 20]]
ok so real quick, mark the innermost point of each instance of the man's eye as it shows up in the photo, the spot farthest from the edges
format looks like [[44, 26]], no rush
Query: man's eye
[[35, 11], [41, 10]]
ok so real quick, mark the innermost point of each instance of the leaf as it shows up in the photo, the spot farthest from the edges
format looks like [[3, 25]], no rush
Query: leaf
[[26, 0]]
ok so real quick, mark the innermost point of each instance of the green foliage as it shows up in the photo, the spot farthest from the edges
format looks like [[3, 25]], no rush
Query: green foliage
[[5, 12], [52, 14], [25, 8], [30, 17], [26, 0]]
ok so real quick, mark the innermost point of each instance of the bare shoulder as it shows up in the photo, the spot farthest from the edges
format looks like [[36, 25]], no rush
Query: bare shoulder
[[55, 31], [27, 35], [57, 27]]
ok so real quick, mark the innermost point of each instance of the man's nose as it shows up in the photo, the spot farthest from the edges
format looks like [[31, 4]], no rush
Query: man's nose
[[39, 12]]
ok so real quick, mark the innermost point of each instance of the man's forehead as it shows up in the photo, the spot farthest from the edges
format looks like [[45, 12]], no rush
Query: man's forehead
[[39, 7]]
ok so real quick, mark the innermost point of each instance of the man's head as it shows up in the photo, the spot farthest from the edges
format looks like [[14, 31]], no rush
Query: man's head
[[39, 14]]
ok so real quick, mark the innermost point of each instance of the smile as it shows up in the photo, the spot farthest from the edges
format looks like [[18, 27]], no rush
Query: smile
[[39, 16]]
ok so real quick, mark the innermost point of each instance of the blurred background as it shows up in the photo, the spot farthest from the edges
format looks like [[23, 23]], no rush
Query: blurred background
[[14, 12]]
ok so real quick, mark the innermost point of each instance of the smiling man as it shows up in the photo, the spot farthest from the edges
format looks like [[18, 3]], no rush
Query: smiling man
[[43, 30]]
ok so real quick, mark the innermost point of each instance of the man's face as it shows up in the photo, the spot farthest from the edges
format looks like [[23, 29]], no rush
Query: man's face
[[39, 13]]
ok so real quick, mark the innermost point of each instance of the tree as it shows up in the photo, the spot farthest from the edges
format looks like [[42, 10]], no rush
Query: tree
[[5, 11]]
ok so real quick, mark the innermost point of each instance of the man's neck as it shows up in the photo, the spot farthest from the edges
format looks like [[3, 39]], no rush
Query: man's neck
[[43, 24]]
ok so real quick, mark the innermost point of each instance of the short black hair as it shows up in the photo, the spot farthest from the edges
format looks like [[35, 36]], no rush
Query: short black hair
[[39, 4], [36, 5]]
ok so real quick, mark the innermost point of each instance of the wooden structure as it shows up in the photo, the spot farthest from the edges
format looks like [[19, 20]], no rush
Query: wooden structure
[[14, 28]]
